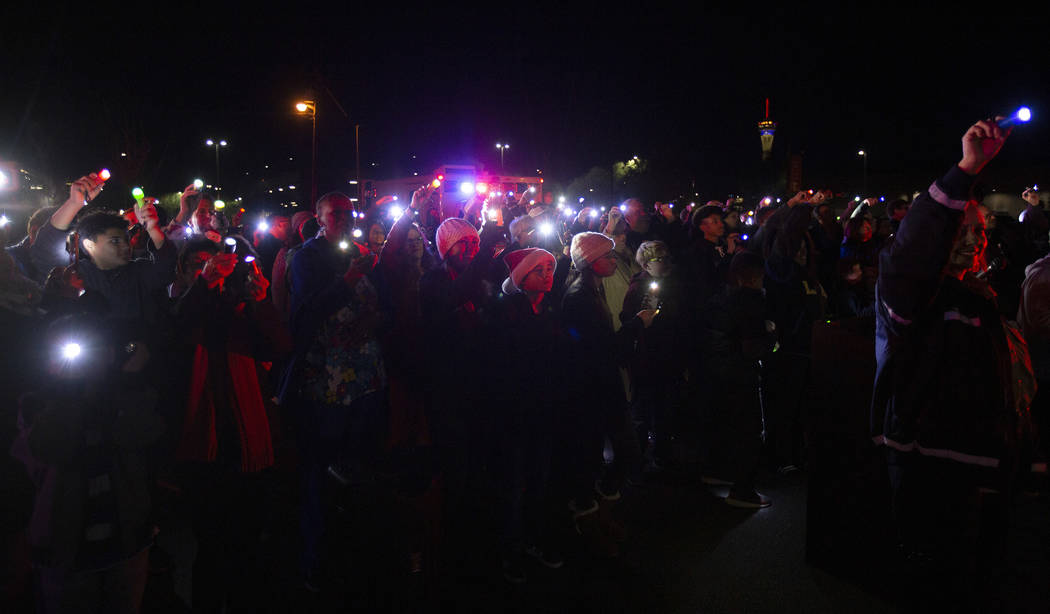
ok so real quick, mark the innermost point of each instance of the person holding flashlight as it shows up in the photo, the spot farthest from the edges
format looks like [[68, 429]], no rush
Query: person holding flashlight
[[952, 387], [84, 441], [657, 364], [337, 375], [226, 329]]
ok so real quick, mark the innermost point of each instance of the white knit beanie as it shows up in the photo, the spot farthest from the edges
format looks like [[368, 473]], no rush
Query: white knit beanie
[[588, 247], [450, 232]]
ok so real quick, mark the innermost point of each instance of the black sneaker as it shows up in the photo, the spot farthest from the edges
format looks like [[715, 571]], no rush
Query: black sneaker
[[513, 571], [548, 558], [752, 500]]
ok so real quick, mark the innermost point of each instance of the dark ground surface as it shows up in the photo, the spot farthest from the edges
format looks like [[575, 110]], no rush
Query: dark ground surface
[[686, 551]]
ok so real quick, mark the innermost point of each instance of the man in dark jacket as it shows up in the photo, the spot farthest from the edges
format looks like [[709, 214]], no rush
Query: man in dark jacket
[[948, 399], [127, 290]]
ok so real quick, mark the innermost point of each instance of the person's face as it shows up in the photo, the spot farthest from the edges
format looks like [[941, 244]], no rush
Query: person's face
[[899, 213], [540, 278], [659, 266], [414, 245], [110, 249], [333, 214], [279, 228], [712, 227], [855, 274], [969, 243], [376, 237], [636, 216], [462, 252], [606, 265], [201, 220]]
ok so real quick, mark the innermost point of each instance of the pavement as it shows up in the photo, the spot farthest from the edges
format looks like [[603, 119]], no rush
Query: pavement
[[685, 551]]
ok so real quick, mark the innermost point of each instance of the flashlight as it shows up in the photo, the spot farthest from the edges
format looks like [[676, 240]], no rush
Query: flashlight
[[750, 213], [197, 184], [581, 199], [1021, 116], [435, 183], [71, 350], [249, 259], [744, 237], [466, 187], [623, 207], [263, 226], [532, 189], [546, 229], [344, 245], [654, 286], [396, 212], [561, 199], [594, 213], [482, 187], [104, 174], [510, 194], [229, 245], [357, 233], [4, 221], [219, 204], [137, 193]]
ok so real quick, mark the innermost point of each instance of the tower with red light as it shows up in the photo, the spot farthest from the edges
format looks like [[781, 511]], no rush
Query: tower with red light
[[766, 129]]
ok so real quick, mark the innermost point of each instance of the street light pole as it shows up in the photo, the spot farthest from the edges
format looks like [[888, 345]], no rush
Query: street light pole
[[310, 107], [216, 145], [502, 147], [864, 184]]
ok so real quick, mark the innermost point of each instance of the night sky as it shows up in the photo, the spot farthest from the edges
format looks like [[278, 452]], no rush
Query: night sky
[[568, 88]]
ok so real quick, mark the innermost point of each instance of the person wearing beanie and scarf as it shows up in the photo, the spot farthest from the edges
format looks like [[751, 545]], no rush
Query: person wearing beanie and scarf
[[530, 371], [597, 401], [457, 395]]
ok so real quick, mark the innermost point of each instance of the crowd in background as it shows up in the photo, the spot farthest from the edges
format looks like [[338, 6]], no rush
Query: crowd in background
[[490, 350]]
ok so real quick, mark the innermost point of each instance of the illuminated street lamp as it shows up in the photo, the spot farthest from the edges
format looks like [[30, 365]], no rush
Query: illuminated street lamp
[[502, 147], [216, 145], [309, 108], [864, 155]]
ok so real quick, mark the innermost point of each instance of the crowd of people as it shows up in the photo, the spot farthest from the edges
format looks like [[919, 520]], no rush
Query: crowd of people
[[494, 349]]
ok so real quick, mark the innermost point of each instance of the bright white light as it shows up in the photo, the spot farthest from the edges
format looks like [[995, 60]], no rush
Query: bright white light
[[856, 199], [603, 209], [1024, 114], [861, 153], [71, 350], [594, 213], [198, 184], [189, 231], [767, 201], [291, 187], [209, 142], [654, 286], [546, 229], [344, 245], [230, 241], [222, 143], [3, 179], [263, 226], [569, 213], [4, 221], [357, 233], [395, 196], [466, 187], [219, 204], [532, 189], [744, 237], [623, 207], [581, 199], [396, 212], [561, 199]]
